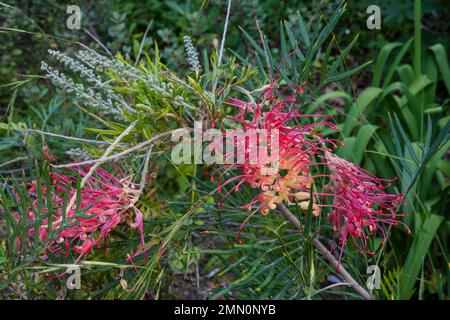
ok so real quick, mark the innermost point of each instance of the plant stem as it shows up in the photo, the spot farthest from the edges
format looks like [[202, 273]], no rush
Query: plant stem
[[222, 44], [97, 164], [117, 155], [327, 255], [224, 35], [263, 44], [417, 39], [65, 137], [418, 62]]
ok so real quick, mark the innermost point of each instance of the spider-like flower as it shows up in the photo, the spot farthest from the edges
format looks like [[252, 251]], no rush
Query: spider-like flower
[[290, 179], [104, 203], [360, 205]]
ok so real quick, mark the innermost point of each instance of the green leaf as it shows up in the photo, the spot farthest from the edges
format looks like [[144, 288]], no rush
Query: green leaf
[[303, 32], [396, 62], [440, 56], [381, 62], [364, 100], [365, 134], [348, 73], [341, 57], [417, 253], [322, 99]]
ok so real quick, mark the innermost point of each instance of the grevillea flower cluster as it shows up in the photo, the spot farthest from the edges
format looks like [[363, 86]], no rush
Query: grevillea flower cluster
[[360, 206], [104, 203]]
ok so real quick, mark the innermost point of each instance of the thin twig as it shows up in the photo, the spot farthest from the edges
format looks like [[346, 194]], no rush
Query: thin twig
[[327, 254], [13, 171], [263, 43], [224, 35], [145, 169], [222, 44], [117, 155], [331, 286], [99, 42], [4, 164], [142, 42], [66, 137], [101, 160]]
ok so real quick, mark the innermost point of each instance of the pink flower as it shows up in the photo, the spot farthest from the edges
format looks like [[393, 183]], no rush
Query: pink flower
[[296, 147], [105, 203], [360, 205]]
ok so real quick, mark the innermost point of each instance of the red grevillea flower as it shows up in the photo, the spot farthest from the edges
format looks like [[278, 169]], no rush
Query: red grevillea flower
[[274, 114], [360, 205], [104, 202]]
